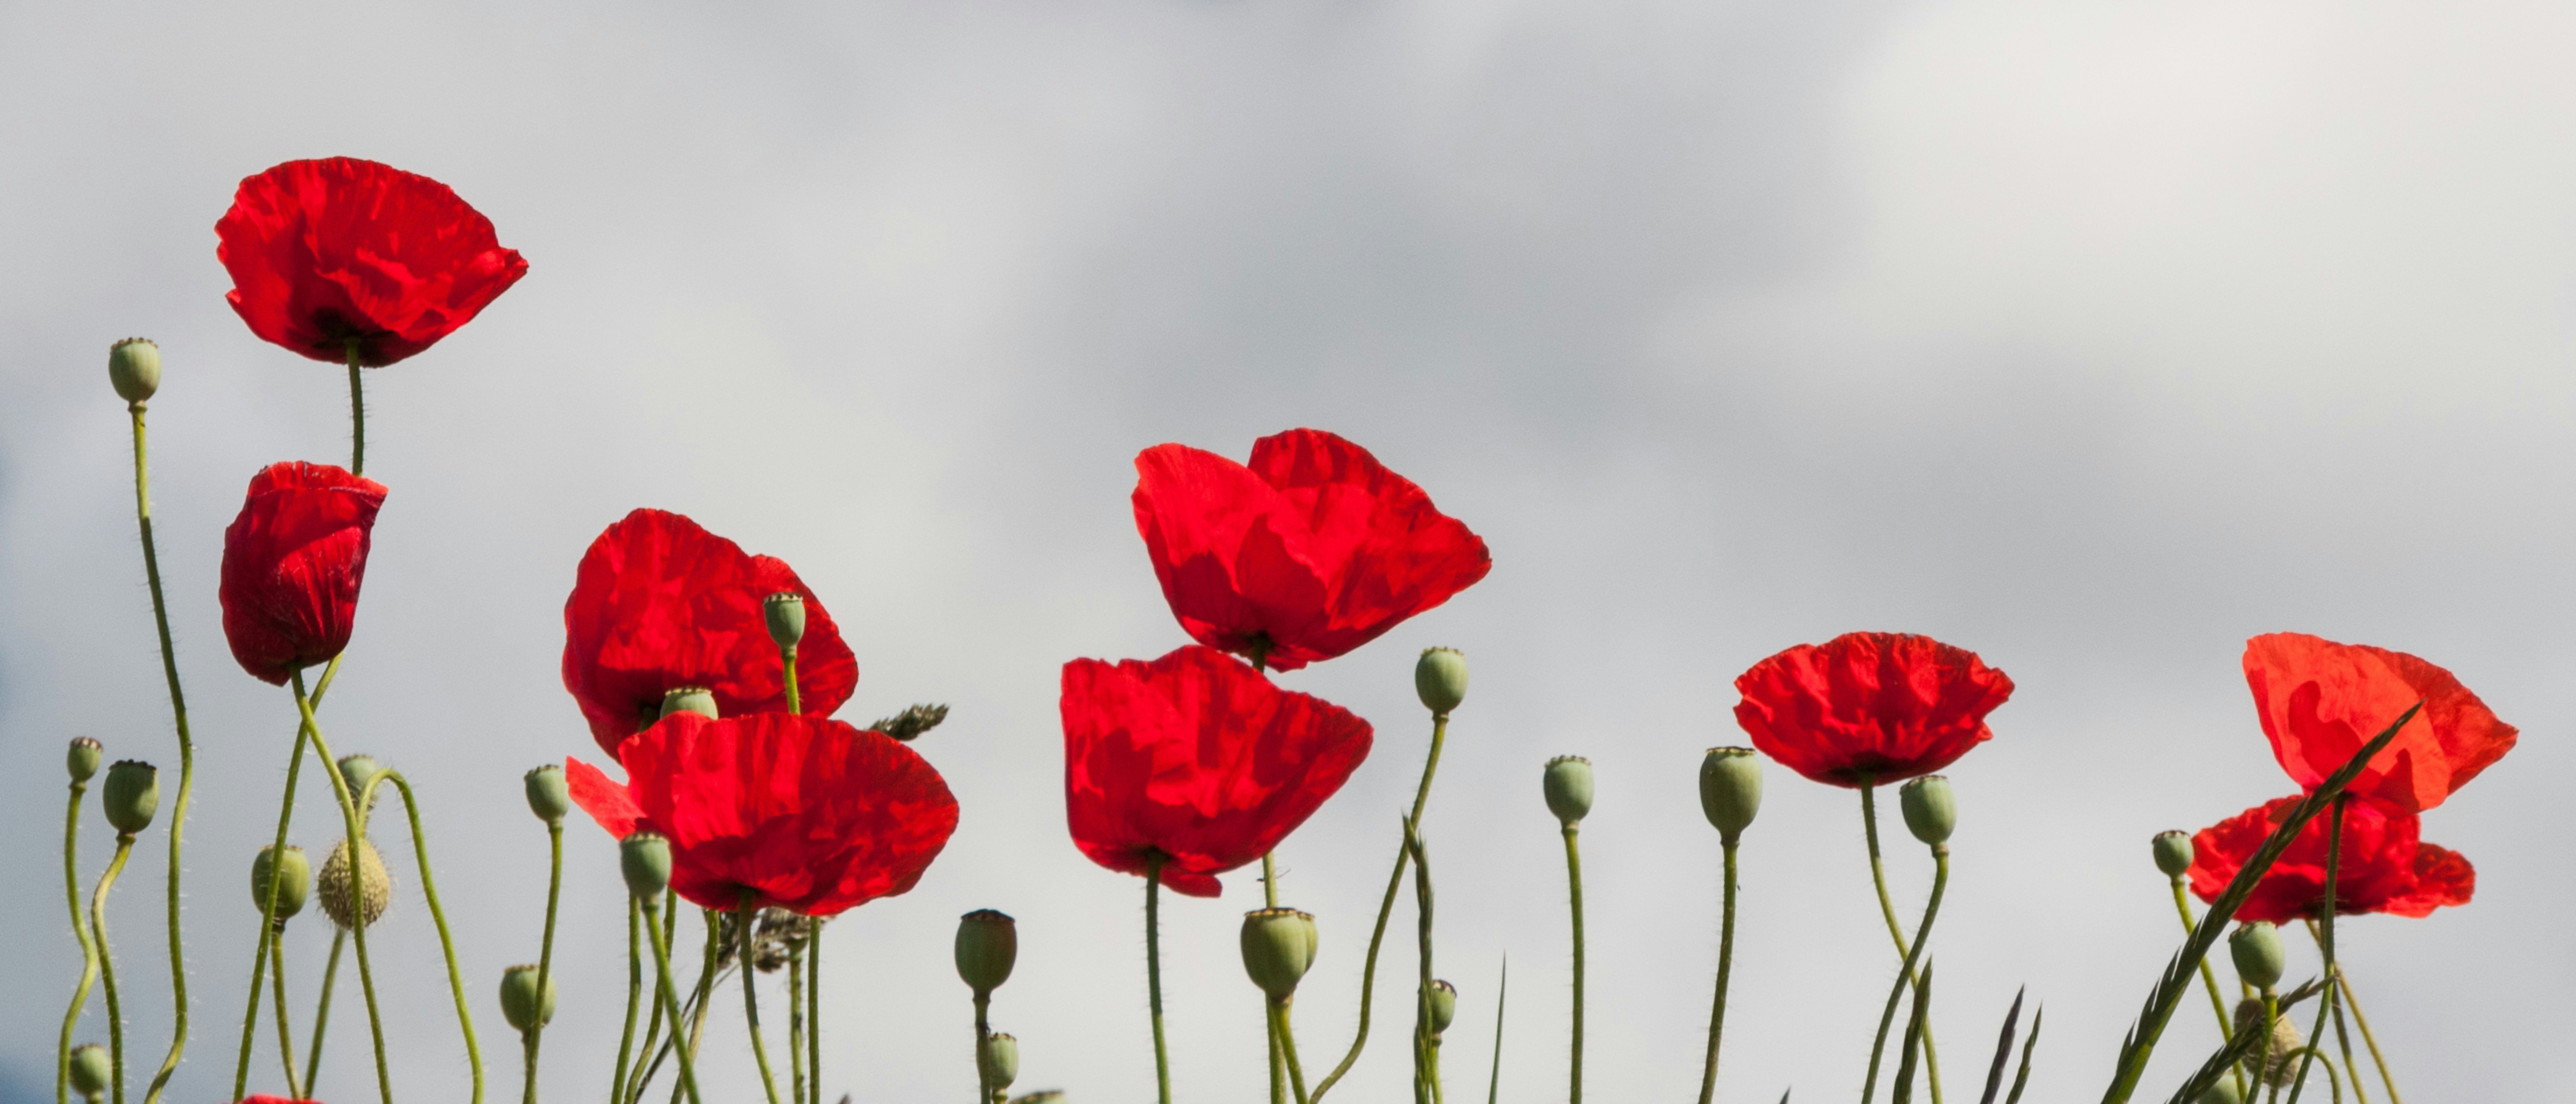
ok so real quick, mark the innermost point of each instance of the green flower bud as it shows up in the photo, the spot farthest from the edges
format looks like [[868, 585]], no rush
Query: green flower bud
[[134, 368], [83, 758], [999, 1055], [1278, 948], [375, 885], [785, 611], [1440, 678], [988, 945], [1930, 812], [90, 1070], [2224, 1092], [1730, 789], [1444, 1006], [645, 859], [2173, 853], [689, 699], [1568, 786], [293, 887], [130, 797], [548, 797], [356, 770], [2256, 947], [521, 1003]]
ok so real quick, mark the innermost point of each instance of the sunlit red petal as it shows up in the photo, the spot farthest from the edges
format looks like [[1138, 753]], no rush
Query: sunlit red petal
[[293, 562], [1869, 708], [2320, 701]]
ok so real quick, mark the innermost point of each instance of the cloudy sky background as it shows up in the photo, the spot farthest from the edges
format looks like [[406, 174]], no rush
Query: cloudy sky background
[[2094, 337]]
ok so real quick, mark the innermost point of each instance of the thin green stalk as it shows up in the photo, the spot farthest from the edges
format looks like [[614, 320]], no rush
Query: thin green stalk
[[1394, 882], [107, 959], [2325, 944], [1574, 880], [546, 949], [1903, 1091], [356, 835], [983, 1031], [2343, 1034], [2208, 979], [438, 917], [1154, 974], [1725, 966], [641, 1073], [787, 660], [268, 907], [1887, 1015], [357, 415], [1426, 1047], [2021, 1077], [634, 992], [1278, 1067], [1288, 1047], [1502, 993], [285, 1033], [2263, 1046], [814, 1004], [80, 931], [1895, 931], [796, 1019], [669, 996], [2361, 1020], [187, 757], [703, 999], [322, 1011], [744, 916]]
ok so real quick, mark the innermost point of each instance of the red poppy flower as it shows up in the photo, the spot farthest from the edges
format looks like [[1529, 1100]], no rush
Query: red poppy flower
[[2321, 701], [660, 604], [1311, 551], [2384, 867], [1197, 757], [806, 814], [293, 560], [1869, 708], [338, 255]]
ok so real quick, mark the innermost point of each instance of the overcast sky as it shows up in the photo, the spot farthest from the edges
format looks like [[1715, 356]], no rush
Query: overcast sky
[[2093, 337]]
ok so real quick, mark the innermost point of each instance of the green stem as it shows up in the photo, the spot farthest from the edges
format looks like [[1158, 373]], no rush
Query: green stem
[[107, 960], [285, 1033], [357, 415], [546, 949], [356, 837], [1288, 1047], [322, 1011], [2361, 1020], [702, 1001], [1394, 882], [187, 758], [2325, 944], [634, 992], [1725, 966], [983, 1030], [1887, 1015], [744, 916], [438, 917], [1895, 931], [814, 1004], [2263, 1046], [2343, 1034], [1154, 974], [1574, 879], [787, 659], [1502, 993], [640, 1073], [669, 996], [2208, 979], [268, 906], [796, 1020], [1278, 1067], [80, 931], [1426, 1043]]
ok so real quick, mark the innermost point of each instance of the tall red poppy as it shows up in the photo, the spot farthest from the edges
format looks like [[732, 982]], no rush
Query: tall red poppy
[[2321, 701], [2383, 867], [660, 603], [1869, 708], [806, 814], [1312, 550], [293, 559], [1198, 758], [336, 254]]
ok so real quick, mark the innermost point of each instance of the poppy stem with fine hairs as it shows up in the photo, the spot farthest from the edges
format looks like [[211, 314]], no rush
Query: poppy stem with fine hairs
[[356, 838], [1154, 973], [634, 993], [437, 917], [268, 914], [546, 948], [1887, 1015], [322, 1010], [83, 765], [1574, 885], [179, 722], [2325, 946], [669, 996], [1887, 911], [796, 1021], [2343, 1039], [2343, 985], [107, 959], [285, 1034], [1394, 882], [1426, 1053], [814, 1004], [744, 917]]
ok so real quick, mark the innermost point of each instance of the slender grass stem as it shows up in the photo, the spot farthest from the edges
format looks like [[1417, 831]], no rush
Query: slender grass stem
[[669, 997], [1574, 881], [322, 1012], [80, 931], [1394, 882], [107, 960], [634, 994], [546, 948], [2343, 1035], [2021, 1076], [2325, 945], [187, 757], [285, 1033], [1725, 966], [1502, 993], [1895, 931], [2361, 1020], [1426, 1046], [2208, 979], [1887, 1015], [744, 917], [1154, 975]]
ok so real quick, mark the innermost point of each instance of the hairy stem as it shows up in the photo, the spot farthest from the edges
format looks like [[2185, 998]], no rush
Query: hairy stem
[[669, 996], [634, 992], [1895, 931], [107, 960], [1574, 881], [1394, 882], [438, 918], [744, 917], [357, 836], [1154, 975], [1725, 966], [285, 1033], [1887, 1015], [80, 931], [187, 757], [546, 948], [322, 1012]]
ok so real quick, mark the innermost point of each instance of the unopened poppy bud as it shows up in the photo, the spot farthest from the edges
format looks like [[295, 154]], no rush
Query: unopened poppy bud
[[2223, 1092], [293, 875], [1440, 678], [90, 1070], [689, 699], [82, 761], [522, 1003], [1568, 786], [1444, 1006], [1278, 948], [645, 859], [134, 368], [357, 770], [131, 795], [988, 945], [785, 611], [1930, 812], [2173, 853], [2256, 947], [548, 797], [375, 885], [1000, 1056], [1730, 790]]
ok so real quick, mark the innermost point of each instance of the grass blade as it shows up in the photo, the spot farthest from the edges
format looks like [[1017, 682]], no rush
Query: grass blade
[[2003, 1050]]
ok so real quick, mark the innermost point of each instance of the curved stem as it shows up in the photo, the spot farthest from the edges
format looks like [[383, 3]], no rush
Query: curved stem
[[634, 991], [2208, 979], [1426, 1041], [1887, 1015], [357, 415], [2263, 1046], [1288, 1049], [2361, 1020], [357, 837], [438, 917], [795, 1020], [268, 907], [1895, 931], [669, 997], [285, 1034], [2343, 1034], [744, 916], [1725, 966], [641, 1073], [1574, 879], [1278, 1067], [322, 1011], [1154, 974], [1394, 882], [80, 931], [702, 1000], [107, 960], [2325, 944], [546, 949], [187, 758]]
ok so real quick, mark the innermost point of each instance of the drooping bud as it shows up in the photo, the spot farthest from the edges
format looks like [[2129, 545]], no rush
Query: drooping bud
[[1440, 678], [130, 796], [521, 1003], [689, 699], [785, 612], [294, 877], [375, 885], [1730, 790], [2173, 853], [1444, 1006], [91, 1070], [357, 770], [548, 797], [999, 1055], [83, 758], [988, 945], [1930, 812], [1278, 948], [1568, 786], [134, 368], [2256, 947], [645, 859]]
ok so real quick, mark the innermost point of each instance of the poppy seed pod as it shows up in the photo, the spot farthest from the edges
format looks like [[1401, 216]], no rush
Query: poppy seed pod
[[1930, 812], [294, 880], [1278, 948], [645, 859], [1440, 678], [1444, 1006], [988, 945], [2173, 853], [785, 612], [2282, 1058], [1567, 783], [131, 795], [548, 797], [521, 1003], [134, 368], [2256, 947], [82, 759], [999, 1055], [91, 1070], [357, 770], [689, 699], [1730, 789], [2223, 1092], [375, 885]]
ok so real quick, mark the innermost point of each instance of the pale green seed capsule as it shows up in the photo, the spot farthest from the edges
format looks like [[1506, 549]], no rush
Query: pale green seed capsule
[[83, 758], [2256, 947], [988, 946], [1000, 1057], [645, 860], [521, 1003], [134, 368], [1444, 1006], [785, 612], [689, 699], [294, 876], [91, 1070], [1567, 784], [130, 796], [548, 796], [1278, 948], [1931, 813], [2173, 853], [2224, 1092], [1440, 678], [1730, 789]]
